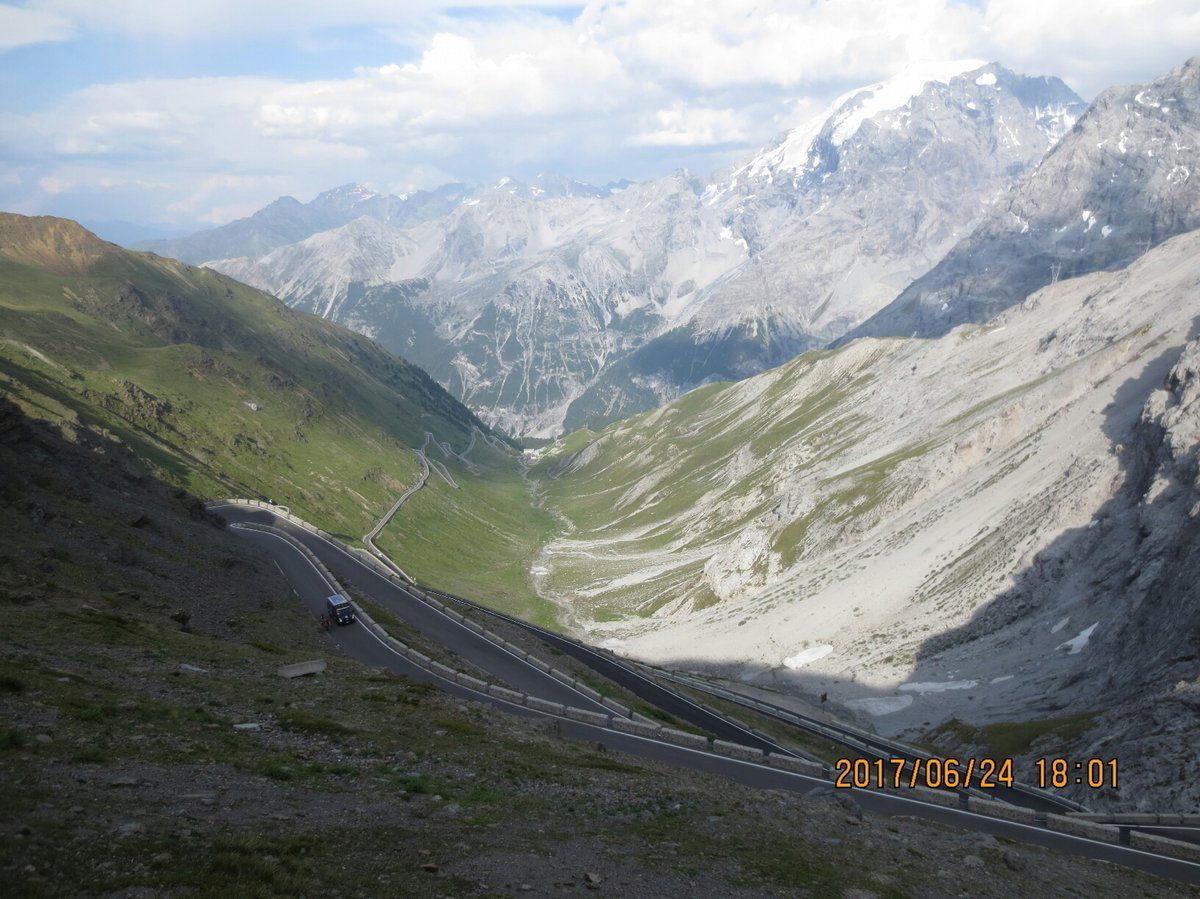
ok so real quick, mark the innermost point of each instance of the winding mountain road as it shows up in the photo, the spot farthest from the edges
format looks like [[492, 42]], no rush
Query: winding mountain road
[[399, 601], [359, 643]]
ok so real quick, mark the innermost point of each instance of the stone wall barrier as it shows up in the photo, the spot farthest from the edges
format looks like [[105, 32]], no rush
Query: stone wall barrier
[[1001, 810], [542, 705], [1149, 842], [587, 691], [444, 670], [737, 751], [637, 728], [473, 682], [799, 766], [588, 717], [682, 738], [948, 798], [1076, 828], [621, 710], [506, 694]]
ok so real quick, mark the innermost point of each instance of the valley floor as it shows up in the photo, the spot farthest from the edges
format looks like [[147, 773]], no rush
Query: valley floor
[[149, 746]]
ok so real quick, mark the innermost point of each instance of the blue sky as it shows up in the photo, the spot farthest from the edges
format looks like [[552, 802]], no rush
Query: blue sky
[[185, 113]]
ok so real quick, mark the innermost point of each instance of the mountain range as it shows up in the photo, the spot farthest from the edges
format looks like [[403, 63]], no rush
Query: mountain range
[[219, 388], [981, 510], [555, 304], [988, 516]]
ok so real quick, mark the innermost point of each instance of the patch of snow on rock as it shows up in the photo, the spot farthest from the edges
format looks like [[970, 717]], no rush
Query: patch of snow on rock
[[808, 656], [880, 705], [1076, 644], [938, 686]]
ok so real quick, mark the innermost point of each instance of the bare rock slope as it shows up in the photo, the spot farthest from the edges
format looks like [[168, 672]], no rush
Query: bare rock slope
[[994, 525], [1120, 183], [553, 302]]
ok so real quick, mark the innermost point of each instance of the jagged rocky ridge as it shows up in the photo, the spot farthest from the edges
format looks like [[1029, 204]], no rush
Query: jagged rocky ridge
[[1120, 183], [997, 524], [524, 298]]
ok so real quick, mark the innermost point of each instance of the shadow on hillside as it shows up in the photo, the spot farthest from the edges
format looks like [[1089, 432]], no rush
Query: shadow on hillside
[[146, 443], [1132, 570]]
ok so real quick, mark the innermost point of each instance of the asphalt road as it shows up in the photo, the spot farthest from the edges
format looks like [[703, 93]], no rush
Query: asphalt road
[[1016, 795], [359, 643], [681, 706], [635, 682], [440, 628]]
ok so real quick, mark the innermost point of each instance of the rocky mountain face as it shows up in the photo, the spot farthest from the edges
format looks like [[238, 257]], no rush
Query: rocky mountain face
[[1118, 184], [872, 523], [287, 220], [221, 387], [839, 216], [555, 302], [1144, 562], [522, 294]]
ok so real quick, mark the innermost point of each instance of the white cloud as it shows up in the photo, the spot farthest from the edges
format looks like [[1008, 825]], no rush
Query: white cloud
[[1094, 44], [54, 184], [684, 126], [625, 84], [20, 26], [783, 44], [192, 19]]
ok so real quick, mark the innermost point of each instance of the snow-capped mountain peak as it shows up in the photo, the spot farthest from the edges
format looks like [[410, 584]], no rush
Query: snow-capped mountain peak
[[855, 107], [521, 296], [797, 151]]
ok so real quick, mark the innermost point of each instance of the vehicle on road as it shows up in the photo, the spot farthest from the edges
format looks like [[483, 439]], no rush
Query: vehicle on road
[[339, 609]]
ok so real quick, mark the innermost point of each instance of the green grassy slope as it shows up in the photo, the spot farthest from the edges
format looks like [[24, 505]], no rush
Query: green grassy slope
[[218, 386], [651, 498], [479, 540], [123, 773]]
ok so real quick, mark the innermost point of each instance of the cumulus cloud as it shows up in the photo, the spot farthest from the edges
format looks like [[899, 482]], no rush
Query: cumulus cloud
[[684, 126], [192, 19], [20, 26], [624, 87]]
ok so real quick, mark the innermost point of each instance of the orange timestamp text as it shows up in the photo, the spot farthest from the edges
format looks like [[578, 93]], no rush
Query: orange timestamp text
[[931, 773]]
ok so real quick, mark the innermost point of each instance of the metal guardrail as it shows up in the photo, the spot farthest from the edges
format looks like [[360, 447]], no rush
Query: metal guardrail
[[1074, 825], [512, 648]]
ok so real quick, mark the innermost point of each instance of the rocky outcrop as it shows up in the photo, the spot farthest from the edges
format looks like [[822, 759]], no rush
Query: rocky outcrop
[[1149, 565], [522, 297], [1122, 181], [996, 525]]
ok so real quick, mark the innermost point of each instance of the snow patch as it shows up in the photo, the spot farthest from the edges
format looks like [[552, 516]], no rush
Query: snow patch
[[1058, 627], [1076, 644], [987, 79], [880, 705], [808, 656], [892, 94], [938, 686], [843, 118]]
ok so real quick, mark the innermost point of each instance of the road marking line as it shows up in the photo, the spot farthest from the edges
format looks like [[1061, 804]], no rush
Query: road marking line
[[941, 810], [409, 595]]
